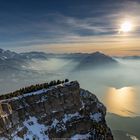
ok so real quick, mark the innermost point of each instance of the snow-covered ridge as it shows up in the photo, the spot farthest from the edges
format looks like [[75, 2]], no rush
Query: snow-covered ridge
[[62, 111], [44, 90]]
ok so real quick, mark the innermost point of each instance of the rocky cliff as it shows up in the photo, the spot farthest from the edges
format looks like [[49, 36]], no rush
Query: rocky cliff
[[62, 111]]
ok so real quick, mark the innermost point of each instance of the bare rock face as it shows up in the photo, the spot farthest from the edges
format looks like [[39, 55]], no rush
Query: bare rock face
[[62, 111]]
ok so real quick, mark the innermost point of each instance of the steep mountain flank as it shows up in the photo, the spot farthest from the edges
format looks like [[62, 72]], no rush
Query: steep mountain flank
[[95, 60], [62, 111]]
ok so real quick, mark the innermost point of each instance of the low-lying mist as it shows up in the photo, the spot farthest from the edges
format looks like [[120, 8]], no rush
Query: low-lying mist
[[52, 65], [118, 87], [98, 80]]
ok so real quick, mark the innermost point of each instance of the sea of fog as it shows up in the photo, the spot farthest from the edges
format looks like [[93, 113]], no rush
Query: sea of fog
[[117, 87]]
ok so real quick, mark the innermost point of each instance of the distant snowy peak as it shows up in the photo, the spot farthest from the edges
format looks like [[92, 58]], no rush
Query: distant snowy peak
[[6, 54]]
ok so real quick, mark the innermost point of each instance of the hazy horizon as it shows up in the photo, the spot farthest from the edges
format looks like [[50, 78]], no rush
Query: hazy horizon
[[61, 53], [81, 26]]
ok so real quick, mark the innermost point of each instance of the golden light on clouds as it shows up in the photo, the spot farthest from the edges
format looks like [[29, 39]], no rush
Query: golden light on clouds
[[120, 44]]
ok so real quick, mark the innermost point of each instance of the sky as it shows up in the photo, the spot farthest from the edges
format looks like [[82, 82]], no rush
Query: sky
[[65, 26]]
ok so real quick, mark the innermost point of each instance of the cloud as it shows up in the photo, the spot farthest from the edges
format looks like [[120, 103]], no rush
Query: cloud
[[87, 22]]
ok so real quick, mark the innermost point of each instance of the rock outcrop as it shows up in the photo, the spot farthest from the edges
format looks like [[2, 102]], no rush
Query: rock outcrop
[[62, 111]]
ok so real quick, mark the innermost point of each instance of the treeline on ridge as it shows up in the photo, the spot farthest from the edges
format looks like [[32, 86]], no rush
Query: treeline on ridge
[[32, 88]]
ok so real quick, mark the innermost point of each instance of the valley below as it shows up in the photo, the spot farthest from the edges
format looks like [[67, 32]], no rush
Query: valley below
[[115, 84]]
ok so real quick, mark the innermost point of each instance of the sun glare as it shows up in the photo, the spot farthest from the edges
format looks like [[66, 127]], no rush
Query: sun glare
[[122, 101], [126, 26]]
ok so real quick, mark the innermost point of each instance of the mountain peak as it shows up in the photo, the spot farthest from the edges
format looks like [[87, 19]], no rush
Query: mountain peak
[[96, 59], [97, 52], [6, 54], [1, 50]]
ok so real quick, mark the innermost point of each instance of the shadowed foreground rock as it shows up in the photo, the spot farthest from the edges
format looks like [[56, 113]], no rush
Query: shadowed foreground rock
[[62, 111]]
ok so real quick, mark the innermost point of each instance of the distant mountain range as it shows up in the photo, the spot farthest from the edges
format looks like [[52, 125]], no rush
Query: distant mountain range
[[10, 60], [13, 61], [4, 55], [131, 57], [16, 61]]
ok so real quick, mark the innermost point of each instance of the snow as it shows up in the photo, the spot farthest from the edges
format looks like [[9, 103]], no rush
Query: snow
[[3, 57], [35, 130], [83, 93], [96, 117], [37, 92], [28, 94], [68, 117], [17, 138], [80, 137], [68, 83], [83, 104], [99, 105], [15, 132], [1, 138], [132, 137], [61, 125], [43, 90], [55, 122]]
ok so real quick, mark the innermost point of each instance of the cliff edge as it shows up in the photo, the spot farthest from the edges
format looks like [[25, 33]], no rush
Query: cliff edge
[[61, 111]]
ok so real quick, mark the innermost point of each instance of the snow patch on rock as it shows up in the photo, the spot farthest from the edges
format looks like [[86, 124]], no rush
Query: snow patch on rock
[[35, 130], [68, 117], [80, 137], [96, 117]]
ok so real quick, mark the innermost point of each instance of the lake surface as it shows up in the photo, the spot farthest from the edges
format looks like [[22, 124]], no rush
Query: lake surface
[[124, 101]]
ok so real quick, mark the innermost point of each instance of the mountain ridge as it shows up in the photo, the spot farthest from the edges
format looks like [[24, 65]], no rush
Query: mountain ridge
[[61, 111]]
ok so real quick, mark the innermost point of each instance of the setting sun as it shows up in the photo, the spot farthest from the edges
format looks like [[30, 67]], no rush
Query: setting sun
[[126, 26]]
